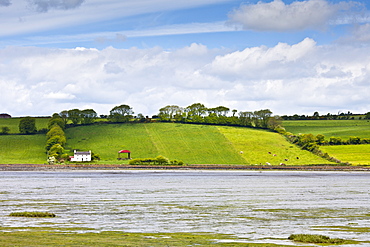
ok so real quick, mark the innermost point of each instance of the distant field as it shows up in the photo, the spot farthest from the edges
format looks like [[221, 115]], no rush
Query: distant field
[[22, 149], [354, 154], [13, 124], [337, 128], [193, 144]]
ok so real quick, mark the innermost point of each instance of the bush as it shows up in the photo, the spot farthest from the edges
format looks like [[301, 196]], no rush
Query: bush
[[4, 130], [159, 160], [32, 214]]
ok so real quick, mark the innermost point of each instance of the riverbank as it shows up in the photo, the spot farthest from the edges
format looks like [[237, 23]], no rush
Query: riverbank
[[43, 167]]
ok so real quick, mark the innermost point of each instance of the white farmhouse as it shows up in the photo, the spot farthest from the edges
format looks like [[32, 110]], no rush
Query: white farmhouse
[[81, 156]]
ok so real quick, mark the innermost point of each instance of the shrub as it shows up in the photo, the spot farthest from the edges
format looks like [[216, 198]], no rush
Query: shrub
[[32, 214], [4, 130]]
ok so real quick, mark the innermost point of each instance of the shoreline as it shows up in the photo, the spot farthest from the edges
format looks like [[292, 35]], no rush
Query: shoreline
[[43, 167]]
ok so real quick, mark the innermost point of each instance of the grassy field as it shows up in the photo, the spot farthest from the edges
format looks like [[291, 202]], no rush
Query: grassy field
[[22, 149], [193, 144], [354, 154], [337, 128], [13, 124]]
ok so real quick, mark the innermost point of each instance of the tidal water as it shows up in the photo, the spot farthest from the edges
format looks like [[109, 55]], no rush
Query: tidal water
[[259, 206]]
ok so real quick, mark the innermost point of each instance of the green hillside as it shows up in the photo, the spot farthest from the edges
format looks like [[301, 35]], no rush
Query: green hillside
[[337, 128], [354, 154], [13, 123], [193, 144], [22, 149]]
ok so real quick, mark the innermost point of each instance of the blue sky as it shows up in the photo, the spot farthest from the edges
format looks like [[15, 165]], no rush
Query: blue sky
[[288, 56]]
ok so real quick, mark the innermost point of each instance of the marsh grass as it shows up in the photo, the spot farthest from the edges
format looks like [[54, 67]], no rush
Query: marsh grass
[[316, 239], [62, 237], [32, 214]]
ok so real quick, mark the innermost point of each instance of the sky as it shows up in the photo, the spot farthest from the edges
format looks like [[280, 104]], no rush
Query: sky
[[292, 57]]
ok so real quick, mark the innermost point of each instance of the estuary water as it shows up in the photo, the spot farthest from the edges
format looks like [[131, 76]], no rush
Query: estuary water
[[260, 206]]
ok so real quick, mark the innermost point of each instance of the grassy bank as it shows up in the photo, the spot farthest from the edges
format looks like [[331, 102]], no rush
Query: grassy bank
[[57, 237]]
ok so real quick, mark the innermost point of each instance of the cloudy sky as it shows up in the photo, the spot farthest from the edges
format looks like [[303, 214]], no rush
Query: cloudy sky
[[292, 57]]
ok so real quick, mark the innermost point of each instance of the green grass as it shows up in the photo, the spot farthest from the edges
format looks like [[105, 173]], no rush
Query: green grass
[[32, 214], [48, 237], [193, 144], [337, 128], [317, 239], [22, 149], [13, 124], [260, 146], [354, 154]]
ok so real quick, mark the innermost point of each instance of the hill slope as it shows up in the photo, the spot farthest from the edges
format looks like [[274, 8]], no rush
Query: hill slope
[[193, 144]]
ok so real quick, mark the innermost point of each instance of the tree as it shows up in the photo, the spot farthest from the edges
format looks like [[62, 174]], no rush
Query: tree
[[261, 118], [27, 125], [88, 116], [246, 118], [5, 130], [122, 113], [64, 116], [56, 120], [74, 115], [56, 130], [367, 115], [169, 112], [196, 112]]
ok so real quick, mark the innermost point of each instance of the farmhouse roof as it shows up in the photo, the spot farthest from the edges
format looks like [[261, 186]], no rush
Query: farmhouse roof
[[124, 151], [82, 152]]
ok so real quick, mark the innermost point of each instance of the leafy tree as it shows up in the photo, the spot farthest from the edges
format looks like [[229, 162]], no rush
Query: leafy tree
[[27, 125], [64, 116], [122, 113], [88, 116], [219, 111], [56, 120], [261, 118], [74, 115], [246, 118], [56, 130], [169, 112], [320, 139], [367, 116], [61, 140], [5, 130], [195, 112]]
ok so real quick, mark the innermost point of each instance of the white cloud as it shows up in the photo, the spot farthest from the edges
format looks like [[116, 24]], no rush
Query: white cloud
[[300, 78], [278, 16]]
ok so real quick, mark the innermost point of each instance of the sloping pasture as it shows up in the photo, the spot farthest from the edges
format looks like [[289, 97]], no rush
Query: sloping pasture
[[337, 128], [22, 149], [193, 144], [259, 147], [354, 154], [13, 124]]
